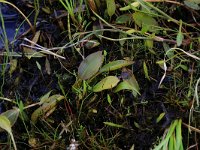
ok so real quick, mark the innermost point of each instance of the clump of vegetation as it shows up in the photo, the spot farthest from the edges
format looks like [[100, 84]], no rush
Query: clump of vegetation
[[94, 74]]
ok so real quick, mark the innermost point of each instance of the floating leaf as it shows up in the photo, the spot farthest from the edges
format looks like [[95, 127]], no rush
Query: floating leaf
[[146, 22], [114, 65], [46, 107], [12, 115], [106, 83], [113, 124], [90, 65], [111, 7]]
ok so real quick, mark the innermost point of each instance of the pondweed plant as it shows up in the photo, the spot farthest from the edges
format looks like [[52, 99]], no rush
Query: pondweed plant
[[132, 63]]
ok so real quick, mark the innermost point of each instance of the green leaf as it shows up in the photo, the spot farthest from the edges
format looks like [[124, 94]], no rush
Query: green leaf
[[192, 4], [109, 99], [11, 115], [146, 73], [90, 65], [129, 83], [146, 22], [91, 44], [111, 7], [179, 38], [178, 135], [130, 6], [121, 36], [113, 125], [38, 65], [171, 142], [44, 98], [106, 83], [114, 65], [123, 19], [160, 117], [124, 85], [5, 124], [13, 66]]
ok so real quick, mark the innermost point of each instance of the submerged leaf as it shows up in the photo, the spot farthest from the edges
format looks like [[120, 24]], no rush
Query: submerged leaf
[[146, 22], [114, 65], [90, 65], [106, 83]]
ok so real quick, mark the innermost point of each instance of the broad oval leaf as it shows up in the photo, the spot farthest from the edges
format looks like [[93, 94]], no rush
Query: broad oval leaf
[[90, 65], [111, 7], [145, 21], [11, 115], [5, 124], [114, 65], [106, 83]]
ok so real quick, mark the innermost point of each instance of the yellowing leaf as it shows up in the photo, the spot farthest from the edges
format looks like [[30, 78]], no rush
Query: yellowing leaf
[[11, 115], [146, 22], [5, 123], [90, 65], [106, 83], [111, 7], [114, 65]]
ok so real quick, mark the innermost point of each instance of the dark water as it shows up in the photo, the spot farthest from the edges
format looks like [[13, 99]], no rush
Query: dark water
[[10, 19]]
